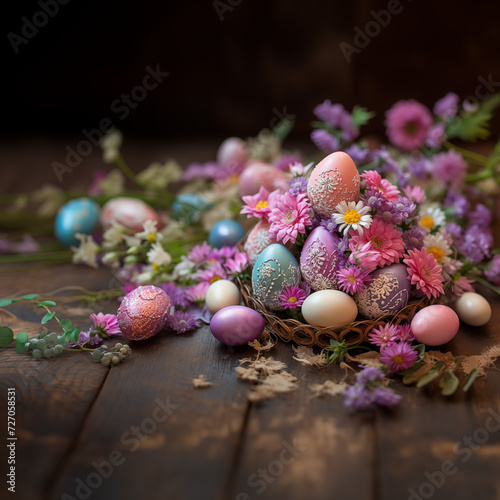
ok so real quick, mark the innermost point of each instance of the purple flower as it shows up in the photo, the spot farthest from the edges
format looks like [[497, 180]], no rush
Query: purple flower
[[369, 374], [297, 185], [447, 107], [359, 155], [330, 113], [284, 162], [414, 239], [458, 202], [27, 245], [385, 397], [357, 397], [383, 336], [329, 224], [404, 333], [436, 135], [292, 297], [480, 216], [448, 167], [418, 166], [492, 274], [182, 322], [398, 357], [475, 244], [208, 170], [454, 230], [353, 279], [324, 140], [178, 296]]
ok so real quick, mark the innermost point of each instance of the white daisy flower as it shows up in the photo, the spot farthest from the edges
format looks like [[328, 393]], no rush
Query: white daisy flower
[[86, 252], [114, 235], [437, 245], [352, 215], [432, 217], [150, 233], [110, 145], [157, 256]]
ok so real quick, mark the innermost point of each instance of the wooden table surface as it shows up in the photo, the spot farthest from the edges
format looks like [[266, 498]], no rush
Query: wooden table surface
[[141, 431]]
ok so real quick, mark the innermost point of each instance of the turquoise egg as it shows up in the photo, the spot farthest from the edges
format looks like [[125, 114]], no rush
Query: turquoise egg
[[275, 269], [189, 207], [225, 233], [76, 216]]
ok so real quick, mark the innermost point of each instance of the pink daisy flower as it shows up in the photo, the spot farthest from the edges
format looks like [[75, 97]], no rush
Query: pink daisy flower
[[214, 272], [398, 357], [381, 239], [404, 333], [365, 259], [258, 205], [289, 216], [448, 167], [374, 182], [292, 297], [352, 279], [199, 253], [237, 264], [416, 193], [408, 124], [107, 324], [384, 335], [462, 285], [424, 272], [197, 292]]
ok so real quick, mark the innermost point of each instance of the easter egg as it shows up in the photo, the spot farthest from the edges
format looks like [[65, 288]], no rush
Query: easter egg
[[143, 312], [225, 233], [259, 174], [331, 308], [387, 293], [275, 269], [189, 207], [128, 212], [76, 216], [473, 309], [319, 260], [220, 294], [257, 240], [232, 153], [334, 179], [435, 325], [236, 325]]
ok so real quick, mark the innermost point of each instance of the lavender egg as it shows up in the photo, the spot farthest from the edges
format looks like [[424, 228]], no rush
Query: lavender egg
[[319, 260], [143, 312], [236, 325], [388, 293]]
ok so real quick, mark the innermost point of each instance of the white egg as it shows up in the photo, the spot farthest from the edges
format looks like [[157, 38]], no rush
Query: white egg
[[220, 294], [331, 308], [473, 309]]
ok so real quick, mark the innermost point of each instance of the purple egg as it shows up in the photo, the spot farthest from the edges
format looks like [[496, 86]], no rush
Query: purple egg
[[319, 260], [388, 293], [237, 325], [143, 312]]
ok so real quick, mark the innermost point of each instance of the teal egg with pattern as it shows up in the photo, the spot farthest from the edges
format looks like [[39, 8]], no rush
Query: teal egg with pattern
[[274, 270]]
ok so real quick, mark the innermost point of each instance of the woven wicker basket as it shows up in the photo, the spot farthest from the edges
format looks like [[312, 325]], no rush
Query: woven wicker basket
[[310, 335]]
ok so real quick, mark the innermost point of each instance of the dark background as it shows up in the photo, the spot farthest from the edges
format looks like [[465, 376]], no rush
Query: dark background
[[227, 76]]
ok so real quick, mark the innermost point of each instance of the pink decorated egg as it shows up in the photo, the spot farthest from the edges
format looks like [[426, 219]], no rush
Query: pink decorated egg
[[257, 240], [435, 325], [387, 293], [128, 212], [319, 260], [232, 153], [334, 179], [259, 174], [143, 312]]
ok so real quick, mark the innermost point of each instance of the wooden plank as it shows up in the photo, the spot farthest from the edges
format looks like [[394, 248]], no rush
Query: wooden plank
[[52, 396], [296, 447], [167, 439]]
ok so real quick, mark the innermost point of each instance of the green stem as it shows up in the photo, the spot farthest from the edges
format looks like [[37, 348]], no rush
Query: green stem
[[480, 159], [478, 176], [487, 284], [122, 165], [62, 256]]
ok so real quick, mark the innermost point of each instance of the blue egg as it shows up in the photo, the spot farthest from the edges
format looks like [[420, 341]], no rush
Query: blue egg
[[76, 216], [189, 207], [275, 269], [226, 233]]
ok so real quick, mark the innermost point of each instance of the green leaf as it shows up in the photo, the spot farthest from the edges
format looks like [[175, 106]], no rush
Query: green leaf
[[361, 116], [46, 303], [31, 296], [48, 317], [494, 158], [448, 383], [420, 348], [73, 336], [432, 374], [66, 325], [410, 376], [472, 377], [5, 302], [6, 336], [21, 339]]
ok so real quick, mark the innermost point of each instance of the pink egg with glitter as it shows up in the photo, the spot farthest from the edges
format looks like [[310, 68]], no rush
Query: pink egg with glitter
[[319, 260], [143, 312], [259, 174], [128, 212], [334, 179], [232, 153], [435, 325]]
